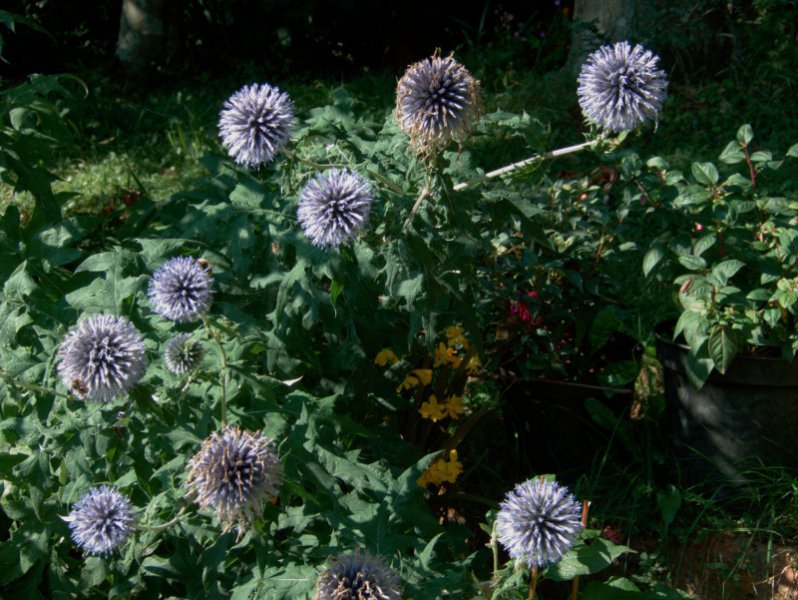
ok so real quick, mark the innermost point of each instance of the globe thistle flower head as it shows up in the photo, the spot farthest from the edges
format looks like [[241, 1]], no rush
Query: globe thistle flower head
[[334, 206], [255, 123], [235, 473], [357, 576], [101, 521], [620, 87], [101, 358], [182, 354], [538, 522], [437, 101], [181, 289]]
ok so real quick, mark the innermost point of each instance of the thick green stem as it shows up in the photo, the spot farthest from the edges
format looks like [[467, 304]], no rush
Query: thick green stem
[[214, 334]]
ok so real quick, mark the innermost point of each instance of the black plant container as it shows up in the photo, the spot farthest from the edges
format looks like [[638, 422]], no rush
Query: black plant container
[[737, 422]]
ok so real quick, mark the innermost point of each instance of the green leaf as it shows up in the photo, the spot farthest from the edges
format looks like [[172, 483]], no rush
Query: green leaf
[[722, 345], [793, 151], [652, 259], [732, 154], [586, 559], [727, 269], [705, 173], [704, 243], [669, 501], [692, 262], [745, 134], [761, 156]]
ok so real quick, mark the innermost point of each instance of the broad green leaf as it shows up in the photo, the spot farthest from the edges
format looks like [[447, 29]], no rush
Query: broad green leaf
[[793, 151], [669, 501], [586, 559], [745, 134], [732, 154], [727, 269], [692, 262], [705, 173], [652, 259], [722, 345]]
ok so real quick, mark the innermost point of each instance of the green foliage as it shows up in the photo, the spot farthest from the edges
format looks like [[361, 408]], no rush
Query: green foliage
[[729, 245]]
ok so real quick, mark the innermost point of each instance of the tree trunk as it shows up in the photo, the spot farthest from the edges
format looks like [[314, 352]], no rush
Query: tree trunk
[[597, 22], [141, 34]]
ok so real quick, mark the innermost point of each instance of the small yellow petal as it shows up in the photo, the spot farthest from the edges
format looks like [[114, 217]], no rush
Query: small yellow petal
[[385, 356], [423, 375]]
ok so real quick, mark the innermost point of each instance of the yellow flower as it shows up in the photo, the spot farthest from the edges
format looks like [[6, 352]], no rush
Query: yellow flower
[[385, 356], [442, 470], [455, 336], [474, 365], [454, 406], [446, 354], [432, 410], [416, 377], [452, 469]]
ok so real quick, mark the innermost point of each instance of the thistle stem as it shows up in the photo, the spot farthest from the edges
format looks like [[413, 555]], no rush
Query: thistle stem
[[533, 581], [525, 163], [223, 372], [575, 583], [424, 193]]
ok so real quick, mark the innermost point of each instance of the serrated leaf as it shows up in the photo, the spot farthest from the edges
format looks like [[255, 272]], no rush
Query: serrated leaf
[[722, 345]]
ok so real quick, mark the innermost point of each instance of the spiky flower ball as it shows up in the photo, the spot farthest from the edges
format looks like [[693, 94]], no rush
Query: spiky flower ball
[[357, 576], [538, 522], [102, 357], [334, 206], [620, 87], [437, 101], [182, 354], [101, 521], [256, 123], [181, 289], [235, 473]]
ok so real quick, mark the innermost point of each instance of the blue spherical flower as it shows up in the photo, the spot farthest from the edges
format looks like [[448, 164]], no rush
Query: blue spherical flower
[[101, 521], [181, 289], [437, 100], [334, 207], [102, 357], [357, 576], [235, 473], [182, 354], [538, 522], [255, 124], [620, 87]]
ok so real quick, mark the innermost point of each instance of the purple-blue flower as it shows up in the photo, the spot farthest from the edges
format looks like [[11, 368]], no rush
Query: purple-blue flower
[[437, 100], [357, 576], [181, 289], [235, 473], [256, 123], [538, 522], [334, 206], [101, 521], [102, 357], [182, 354], [621, 87]]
